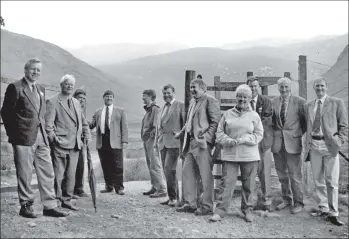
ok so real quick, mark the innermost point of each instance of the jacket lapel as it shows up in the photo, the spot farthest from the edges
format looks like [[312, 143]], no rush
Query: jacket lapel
[[170, 111], [42, 99], [66, 110], [29, 94], [311, 111], [277, 110], [259, 105], [290, 107], [324, 108], [198, 104]]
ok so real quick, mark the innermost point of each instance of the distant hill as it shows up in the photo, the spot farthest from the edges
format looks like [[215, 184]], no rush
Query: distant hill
[[119, 52], [16, 49]]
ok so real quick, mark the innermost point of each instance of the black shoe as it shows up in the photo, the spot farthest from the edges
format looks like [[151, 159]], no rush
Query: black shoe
[[335, 220], [54, 212], [120, 192], [151, 191], [81, 194], [186, 208], [202, 212], [27, 211], [106, 190], [165, 203], [69, 206]]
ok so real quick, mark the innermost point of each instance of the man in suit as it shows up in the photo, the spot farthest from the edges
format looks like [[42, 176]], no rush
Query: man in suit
[[23, 116], [65, 125], [327, 130], [148, 132], [171, 121], [80, 95], [112, 138], [288, 127], [199, 139], [262, 105]]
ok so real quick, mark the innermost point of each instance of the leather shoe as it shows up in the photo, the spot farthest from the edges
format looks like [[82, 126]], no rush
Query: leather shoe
[[186, 208], [172, 203], [69, 206], [106, 190], [282, 205], [120, 192], [297, 209], [81, 195], [202, 212], [27, 211], [248, 216], [215, 218], [335, 220], [54, 212], [318, 213], [165, 203], [151, 191], [158, 195]]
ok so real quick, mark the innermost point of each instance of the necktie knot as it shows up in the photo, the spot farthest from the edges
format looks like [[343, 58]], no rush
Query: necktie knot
[[319, 102], [168, 104]]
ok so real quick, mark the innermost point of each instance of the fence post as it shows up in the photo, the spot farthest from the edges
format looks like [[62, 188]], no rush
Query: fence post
[[287, 74], [302, 81], [217, 167]]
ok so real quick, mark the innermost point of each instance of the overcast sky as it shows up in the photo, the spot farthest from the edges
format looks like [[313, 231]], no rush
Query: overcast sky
[[197, 23]]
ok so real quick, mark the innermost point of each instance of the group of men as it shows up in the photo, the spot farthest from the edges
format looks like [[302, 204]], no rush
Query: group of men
[[51, 134]]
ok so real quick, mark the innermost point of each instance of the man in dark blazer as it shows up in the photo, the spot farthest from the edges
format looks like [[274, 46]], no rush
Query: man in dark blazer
[[23, 116], [262, 105], [112, 137], [199, 138], [288, 127], [171, 121], [327, 131], [65, 126]]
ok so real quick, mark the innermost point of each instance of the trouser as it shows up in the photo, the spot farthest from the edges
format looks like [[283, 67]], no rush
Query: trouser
[[79, 176], [325, 170], [24, 158], [264, 175], [169, 158], [64, 166], [202, 157], [157, 178], [230, 172], [112, 162], [289, 169]]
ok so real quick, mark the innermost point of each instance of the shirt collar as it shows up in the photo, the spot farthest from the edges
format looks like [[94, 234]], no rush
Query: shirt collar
[[287, 98], [172, 101], [322, 99], [109, 106], [151, 105], [255, 98], [29, 82]]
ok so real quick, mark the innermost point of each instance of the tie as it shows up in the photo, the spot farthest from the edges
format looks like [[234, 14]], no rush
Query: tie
[[282, 112], [316, 126], [106, 121], [167, 107], [36, 97], [70, 105], [252, 105], [188, 125]]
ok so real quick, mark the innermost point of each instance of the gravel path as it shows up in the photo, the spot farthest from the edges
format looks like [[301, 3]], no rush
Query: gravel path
[[135, 215]]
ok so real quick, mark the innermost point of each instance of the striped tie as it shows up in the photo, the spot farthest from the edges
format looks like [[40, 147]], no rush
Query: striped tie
[[282, 112], [317, 122]]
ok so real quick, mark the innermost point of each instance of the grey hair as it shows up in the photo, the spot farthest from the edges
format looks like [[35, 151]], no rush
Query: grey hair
[[244, 89], [284, 80], [201, 83], [67, 77], [320, 79], [30, 62]]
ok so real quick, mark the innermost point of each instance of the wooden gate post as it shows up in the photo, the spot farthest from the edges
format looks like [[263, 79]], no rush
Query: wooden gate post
[[189, 76], [302, 82], [217, 166], [287, 74]]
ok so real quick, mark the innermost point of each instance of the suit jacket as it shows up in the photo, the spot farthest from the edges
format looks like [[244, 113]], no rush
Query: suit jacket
[[118, 127], [61, 123], [168, 126], [20, 115], [265, 112], [294, 126], [204, 123], [334, 124]]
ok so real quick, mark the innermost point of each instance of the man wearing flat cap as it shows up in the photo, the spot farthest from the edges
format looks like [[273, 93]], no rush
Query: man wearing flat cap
[[80, 95], [112, 137]]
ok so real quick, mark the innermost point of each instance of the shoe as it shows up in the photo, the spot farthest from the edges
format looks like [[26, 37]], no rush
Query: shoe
[[27, 211], [335, 220], [120, 192], [282, 205], [54, 212], [202, 212], [82, 195], [318, 213], [248, 216], [186, 208], [297, 209], [151, 191], [180, 204], [215, 218], [158, 195], [106, 190], [69, 206], [172, 203], [75, 196], [165, 203], [267, 208]]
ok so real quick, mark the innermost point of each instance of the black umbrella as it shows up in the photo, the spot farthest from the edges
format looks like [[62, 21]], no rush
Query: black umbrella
[[91, 174]]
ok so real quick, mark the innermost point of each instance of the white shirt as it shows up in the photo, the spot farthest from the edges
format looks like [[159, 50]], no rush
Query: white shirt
[[255, 102], [315, 108], [30, 84], [166, 108], [103, 116]]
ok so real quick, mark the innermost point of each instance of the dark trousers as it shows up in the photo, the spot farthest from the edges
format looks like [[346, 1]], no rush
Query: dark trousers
[[169, 158], [112, 164], [79, 175]]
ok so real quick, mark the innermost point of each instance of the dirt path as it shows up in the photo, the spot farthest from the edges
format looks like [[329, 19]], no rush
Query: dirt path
[[135, 215]]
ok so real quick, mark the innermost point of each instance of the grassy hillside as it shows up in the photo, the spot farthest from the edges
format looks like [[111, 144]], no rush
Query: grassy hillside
[[16, 49]]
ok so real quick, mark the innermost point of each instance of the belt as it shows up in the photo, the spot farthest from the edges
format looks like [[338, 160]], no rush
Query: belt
[[317, 137]]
